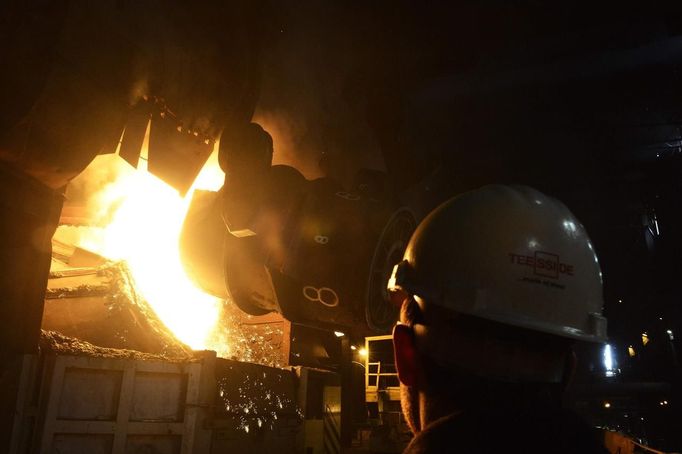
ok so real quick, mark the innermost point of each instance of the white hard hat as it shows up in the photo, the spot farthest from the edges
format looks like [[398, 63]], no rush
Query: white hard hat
[[509, 254]]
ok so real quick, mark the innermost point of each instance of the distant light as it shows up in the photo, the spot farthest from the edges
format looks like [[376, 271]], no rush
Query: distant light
[[660, 318], [609, 363], [362, 352], [670, 334], [645, 338], [620, 301], [608, 357], [338, 334], [607, 405], [663, 403], [631, 351], [353, 347]]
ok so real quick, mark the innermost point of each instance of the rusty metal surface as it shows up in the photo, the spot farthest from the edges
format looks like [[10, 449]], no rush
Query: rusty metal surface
[[57, 343], [101, 306]]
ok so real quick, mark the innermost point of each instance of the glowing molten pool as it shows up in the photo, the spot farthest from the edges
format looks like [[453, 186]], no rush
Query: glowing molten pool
[[142, 217]]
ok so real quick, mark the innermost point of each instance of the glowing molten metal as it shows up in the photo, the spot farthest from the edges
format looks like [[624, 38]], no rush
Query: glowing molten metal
[[142, 218]]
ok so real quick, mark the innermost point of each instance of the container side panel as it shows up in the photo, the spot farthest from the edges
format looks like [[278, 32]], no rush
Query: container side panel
[[89, 394], [82, 444], [157, 444], [159, 397]]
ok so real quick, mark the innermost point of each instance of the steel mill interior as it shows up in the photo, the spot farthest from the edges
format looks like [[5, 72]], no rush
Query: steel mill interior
[[205, 209]]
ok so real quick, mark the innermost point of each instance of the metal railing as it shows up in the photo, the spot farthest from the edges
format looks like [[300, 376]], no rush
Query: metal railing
[[332, 432], [376, 375]]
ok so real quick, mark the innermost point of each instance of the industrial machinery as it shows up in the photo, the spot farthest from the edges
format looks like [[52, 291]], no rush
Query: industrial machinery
[[435, 100], [325, 263]]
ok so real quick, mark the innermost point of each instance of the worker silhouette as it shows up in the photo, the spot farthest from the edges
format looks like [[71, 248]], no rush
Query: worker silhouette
[[497, 285]]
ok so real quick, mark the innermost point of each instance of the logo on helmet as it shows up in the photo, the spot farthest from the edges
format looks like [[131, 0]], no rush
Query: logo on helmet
[[544, 264]]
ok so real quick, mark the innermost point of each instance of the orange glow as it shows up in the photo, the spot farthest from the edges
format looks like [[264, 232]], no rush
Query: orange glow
[[142, 218]]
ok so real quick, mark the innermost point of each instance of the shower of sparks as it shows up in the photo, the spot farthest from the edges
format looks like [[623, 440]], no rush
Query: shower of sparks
[[245, 401]]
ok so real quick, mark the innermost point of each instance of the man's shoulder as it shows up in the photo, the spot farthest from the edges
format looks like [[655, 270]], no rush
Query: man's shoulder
[[556, 431]]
